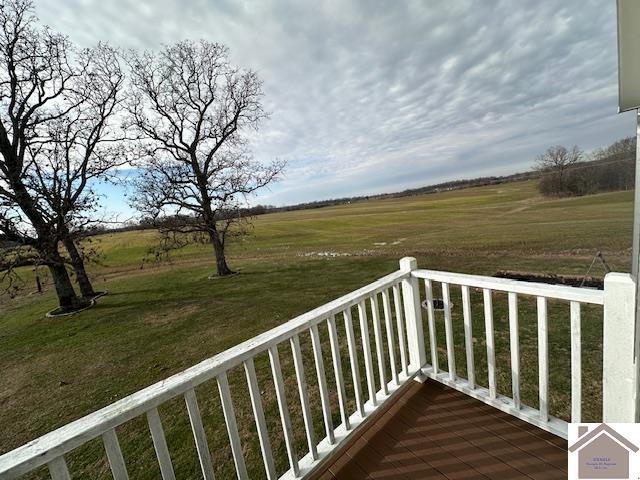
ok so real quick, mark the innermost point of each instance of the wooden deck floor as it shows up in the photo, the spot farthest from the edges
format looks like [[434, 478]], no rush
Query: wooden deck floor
[[434, 432]]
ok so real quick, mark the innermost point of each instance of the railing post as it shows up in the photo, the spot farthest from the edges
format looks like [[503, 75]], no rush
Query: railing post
[[413, 315], [618, 349]]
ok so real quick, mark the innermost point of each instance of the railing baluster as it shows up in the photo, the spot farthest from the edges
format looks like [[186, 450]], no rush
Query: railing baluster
[[515, 348], [284, 410], [58, 469], [468, 336], [202, 447], [391, 341], [491, 349], [322, 383], [160, 444], [232, 427], [576, 364], [433, 342], [261, 424], [353, 359], [114, 455], [543, 360], [366, 348], [304, 396], [448, 326], [375, 314], [337, 371], [402, 341]]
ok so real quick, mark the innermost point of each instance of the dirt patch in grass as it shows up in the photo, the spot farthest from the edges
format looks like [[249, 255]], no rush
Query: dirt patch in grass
[[166, 317]]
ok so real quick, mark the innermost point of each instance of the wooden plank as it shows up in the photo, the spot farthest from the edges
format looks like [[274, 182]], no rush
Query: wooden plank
[[232, 427], [353, 360], [444, 455], [344, 437], [58, 469], [337, 371], [304, 396], [456, 437], [515, 349], [114, 455], [366, 349], [431, 321], [160, 444], [556, 426], [402, 340], [535, 453], [322, 383], [468, 335], [576, 363], [391, 341], [491, 349], [377, 335], [202, 447], [283, 408], [54, 444], [543, 360], [560, 292], [261, 424], [448, 327]]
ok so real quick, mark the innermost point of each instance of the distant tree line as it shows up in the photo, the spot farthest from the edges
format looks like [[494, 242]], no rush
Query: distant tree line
[[561, 172], [437, 188], [248, 212], [440, 187], [570, 172]]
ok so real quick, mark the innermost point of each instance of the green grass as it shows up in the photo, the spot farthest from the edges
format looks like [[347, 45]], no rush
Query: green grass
[[160, 319]]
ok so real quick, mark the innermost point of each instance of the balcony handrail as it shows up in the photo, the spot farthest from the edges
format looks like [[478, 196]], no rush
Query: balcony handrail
[[536, 289]]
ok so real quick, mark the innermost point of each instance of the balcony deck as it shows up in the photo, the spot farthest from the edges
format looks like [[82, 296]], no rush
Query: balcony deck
[[432, 431]]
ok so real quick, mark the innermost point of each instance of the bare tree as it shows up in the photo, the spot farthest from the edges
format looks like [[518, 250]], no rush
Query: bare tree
[[614, 165], [190, 107], [78, 149], [555, 164], [55, 103]]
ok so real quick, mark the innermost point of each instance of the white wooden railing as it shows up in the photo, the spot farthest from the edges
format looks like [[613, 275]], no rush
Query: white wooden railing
[[392, 306], [618, 349]]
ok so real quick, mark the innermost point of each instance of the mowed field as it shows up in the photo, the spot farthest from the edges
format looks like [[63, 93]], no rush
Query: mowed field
[[161, 318]]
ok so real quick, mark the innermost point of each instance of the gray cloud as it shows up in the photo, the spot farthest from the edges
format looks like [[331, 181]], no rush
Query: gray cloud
[[375, 96]]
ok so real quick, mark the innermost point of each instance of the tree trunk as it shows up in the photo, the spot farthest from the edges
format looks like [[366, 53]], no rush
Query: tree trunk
[[67, 298], [86, 289], [47, 245], [218, 249]]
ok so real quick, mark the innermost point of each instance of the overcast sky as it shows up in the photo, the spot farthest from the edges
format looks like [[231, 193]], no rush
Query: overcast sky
[[379, 96]]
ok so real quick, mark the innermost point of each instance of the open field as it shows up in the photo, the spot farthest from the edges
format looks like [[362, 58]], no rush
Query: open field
[[160, 319]]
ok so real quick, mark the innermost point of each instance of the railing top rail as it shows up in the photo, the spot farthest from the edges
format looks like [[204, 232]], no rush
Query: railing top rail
[[58, 442], [560, 292]]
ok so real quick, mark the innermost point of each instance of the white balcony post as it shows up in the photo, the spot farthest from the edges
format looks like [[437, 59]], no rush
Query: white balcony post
[[413, 315], [619, 349]]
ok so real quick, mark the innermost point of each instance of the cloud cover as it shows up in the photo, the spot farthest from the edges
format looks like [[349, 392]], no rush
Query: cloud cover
[[375, 96]]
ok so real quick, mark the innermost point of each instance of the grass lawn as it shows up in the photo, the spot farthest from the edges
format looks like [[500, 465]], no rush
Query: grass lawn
[[160, 319]]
